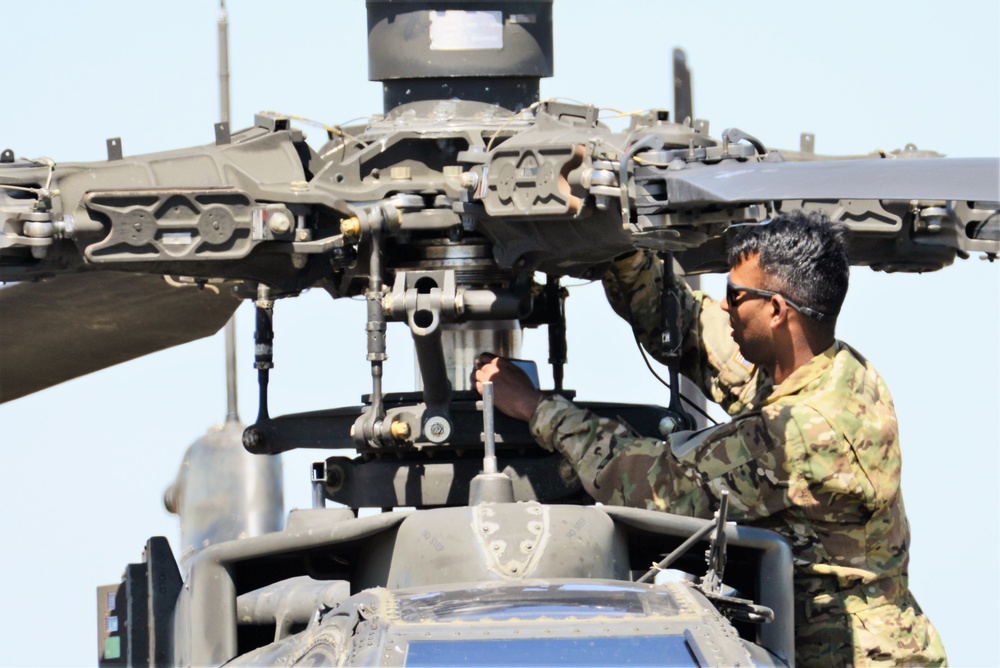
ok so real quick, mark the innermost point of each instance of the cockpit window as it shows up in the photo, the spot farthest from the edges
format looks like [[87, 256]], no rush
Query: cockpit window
[[603, 651], [535, 601]]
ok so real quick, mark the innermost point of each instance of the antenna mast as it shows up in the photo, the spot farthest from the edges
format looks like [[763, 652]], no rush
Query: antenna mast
[[232, 412]]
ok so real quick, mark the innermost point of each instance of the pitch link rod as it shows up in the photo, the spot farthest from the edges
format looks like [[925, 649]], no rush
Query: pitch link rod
[[375, 328], [263, 347]]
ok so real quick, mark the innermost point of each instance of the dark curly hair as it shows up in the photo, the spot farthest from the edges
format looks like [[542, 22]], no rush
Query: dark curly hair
[[804, 255]]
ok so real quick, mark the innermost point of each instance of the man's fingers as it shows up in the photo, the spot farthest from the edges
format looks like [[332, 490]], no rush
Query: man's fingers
[[483, 359], [515, 394], [478, 374], [487, 371]]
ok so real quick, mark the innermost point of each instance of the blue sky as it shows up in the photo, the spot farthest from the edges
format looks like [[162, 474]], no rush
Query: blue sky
[[86, 463]]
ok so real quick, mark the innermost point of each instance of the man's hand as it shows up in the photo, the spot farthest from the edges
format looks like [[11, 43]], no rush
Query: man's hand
[[513, 392]]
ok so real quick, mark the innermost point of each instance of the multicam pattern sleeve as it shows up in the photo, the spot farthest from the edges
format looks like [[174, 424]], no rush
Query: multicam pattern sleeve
[[765, 459], [621, 468]]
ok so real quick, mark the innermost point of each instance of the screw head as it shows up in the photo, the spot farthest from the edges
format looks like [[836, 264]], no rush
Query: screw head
[[253, 438], [437, 429]]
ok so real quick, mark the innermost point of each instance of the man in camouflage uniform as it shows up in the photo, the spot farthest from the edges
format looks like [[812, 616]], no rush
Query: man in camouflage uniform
[[812, 451]]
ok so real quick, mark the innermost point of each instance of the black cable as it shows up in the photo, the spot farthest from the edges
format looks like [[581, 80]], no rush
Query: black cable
[[642, 351], [982, 226], [690, 402]]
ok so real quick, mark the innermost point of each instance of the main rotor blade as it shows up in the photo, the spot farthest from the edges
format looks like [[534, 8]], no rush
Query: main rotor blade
[[74, 324], [969, 179]]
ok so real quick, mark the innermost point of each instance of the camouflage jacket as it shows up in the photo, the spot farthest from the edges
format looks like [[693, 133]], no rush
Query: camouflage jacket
[[816, 459]]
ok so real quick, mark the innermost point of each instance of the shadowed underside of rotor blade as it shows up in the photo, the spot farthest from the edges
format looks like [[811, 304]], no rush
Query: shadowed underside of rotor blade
[[971, 179], [71, 325]]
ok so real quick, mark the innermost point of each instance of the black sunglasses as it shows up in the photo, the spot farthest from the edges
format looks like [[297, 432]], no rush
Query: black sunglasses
[[732, 296]]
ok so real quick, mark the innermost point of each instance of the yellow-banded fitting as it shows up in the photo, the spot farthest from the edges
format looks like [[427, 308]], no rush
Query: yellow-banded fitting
[[400, 430], [351, 228]]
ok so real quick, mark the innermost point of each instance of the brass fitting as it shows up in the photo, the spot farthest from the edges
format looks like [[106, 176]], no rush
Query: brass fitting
[[400, 430], [351, 228]]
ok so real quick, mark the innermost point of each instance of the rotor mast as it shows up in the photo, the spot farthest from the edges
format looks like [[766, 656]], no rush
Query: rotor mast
[[506, 48]]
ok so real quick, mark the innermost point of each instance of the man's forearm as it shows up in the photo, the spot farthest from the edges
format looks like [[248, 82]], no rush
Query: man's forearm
[[612, 462], [617, 466]]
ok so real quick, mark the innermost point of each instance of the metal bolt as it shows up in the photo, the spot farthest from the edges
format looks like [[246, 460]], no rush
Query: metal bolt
[[252, 438], [667, 426], [351, 227], [400, 430], [279, 222], [438, 429]]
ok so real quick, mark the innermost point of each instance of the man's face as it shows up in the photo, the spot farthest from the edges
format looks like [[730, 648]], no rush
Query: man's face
[[750, 315]]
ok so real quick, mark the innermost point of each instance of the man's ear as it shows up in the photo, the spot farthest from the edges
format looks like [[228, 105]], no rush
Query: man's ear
[[779, 311]]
